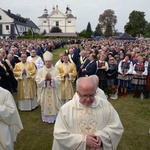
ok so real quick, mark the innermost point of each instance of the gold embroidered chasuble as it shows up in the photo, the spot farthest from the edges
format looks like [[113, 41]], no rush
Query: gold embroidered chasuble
[[67, 83], [75, 121], [26, 83], [49, 96]]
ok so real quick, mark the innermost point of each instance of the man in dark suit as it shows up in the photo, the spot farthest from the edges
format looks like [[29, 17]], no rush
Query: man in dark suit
[[73, 57], [81, 61], [91, 67], [15, 53]]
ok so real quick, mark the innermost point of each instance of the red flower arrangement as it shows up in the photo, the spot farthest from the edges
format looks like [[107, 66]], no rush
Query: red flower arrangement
[[111, 90]]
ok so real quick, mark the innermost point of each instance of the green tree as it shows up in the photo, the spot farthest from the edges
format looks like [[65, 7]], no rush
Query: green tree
[[55, 30], [136, 24], [29, 32], [108, 32], [108, 21], [86, 33], [89, 31], [98, 30], [147, 30], [82, 33], [44, 32]]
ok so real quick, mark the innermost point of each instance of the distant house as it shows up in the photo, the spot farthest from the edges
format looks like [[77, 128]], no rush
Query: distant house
[[66, 22], [13, 25]]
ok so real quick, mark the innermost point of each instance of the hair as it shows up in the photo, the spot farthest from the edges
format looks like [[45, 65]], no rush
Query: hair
[[94, 56], [65, 54], [129, 55], [80, 80], [112, 58], [95, 79], [23, 53], [139, 57], [61, 54]]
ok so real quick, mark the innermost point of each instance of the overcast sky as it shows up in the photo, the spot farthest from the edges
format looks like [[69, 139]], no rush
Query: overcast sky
[[85, 10]]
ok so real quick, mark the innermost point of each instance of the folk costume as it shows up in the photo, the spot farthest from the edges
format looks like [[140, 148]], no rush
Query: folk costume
[[125, 69], [139, 78], [147, 91]]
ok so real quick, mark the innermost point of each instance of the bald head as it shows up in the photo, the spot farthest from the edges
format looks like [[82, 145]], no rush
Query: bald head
[[86, 89], [85, 83], [95, 78]]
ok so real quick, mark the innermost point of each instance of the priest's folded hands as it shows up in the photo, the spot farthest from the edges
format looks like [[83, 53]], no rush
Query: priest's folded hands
[[93, 141], [48, 76]]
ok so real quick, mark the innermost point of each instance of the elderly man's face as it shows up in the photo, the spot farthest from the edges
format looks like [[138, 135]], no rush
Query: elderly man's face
[[86, 97]]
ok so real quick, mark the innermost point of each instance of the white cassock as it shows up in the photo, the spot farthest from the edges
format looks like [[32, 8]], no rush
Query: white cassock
[[37, 60], [10, 122], [101, 93], [58, 63], [75, 121]]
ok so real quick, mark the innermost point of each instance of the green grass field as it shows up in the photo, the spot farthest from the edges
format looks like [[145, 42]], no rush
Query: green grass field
[[134, 114]]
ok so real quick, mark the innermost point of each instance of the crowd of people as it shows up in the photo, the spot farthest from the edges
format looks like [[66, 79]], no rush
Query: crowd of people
[[26, 68]]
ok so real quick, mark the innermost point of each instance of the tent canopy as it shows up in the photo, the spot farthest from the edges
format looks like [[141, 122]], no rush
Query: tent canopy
[[125, 36]]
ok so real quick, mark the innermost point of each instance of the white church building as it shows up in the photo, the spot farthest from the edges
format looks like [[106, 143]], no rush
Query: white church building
[[66, 22]]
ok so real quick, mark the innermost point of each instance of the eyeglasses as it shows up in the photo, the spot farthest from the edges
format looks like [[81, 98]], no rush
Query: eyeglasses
[[85, 96]]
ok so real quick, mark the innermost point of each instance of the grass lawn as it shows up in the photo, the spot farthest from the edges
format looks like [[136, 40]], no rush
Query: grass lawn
[[134, 114]]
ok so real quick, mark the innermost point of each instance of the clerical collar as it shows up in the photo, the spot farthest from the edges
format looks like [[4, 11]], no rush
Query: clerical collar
[[83, 106], [49, 68]]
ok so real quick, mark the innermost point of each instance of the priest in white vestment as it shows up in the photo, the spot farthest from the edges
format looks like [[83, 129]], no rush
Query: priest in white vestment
[[10, 122], [87, 123], [37, 60], [25, 72], [49, 92], [99, 92], [60, 61]]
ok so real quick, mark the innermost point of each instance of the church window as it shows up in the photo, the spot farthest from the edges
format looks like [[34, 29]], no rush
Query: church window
[[45, 21], [57, 24], [0, 17], [7, 27], [69, 21]]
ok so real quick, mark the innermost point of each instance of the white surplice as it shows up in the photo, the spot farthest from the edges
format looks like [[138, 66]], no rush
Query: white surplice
[[75, 121], [10, 122], [38, 62]]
